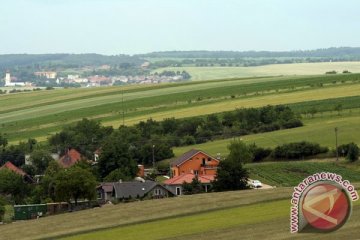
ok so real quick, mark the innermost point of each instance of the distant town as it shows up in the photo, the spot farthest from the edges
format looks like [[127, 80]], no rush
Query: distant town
[[56, 79]]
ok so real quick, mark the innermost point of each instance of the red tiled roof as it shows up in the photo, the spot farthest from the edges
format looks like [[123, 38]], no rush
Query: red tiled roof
[[13, 168], [188, 179], [70, 158]]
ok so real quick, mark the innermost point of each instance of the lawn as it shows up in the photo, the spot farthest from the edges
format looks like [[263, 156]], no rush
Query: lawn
[[205, 73]]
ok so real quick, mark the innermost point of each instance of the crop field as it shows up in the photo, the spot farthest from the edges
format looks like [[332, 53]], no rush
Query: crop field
[[39, 114], [253, 214], [291, 173], [206, 73], [319, 129]]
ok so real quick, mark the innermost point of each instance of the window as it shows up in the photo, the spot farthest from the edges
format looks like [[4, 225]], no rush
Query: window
[[203, 161], [209, 159], [196, 172]]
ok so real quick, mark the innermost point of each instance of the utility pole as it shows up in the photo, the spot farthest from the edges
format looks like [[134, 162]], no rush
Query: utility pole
[[123, 109], [336, 143], [153, 156]]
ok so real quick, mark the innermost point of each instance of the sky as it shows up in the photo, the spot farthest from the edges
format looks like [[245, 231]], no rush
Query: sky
[[140, 26]]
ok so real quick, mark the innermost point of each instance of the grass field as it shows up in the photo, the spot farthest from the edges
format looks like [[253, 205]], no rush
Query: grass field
[[39, 114], [254, 214], [319, 129], [251, 214], [206, 73]]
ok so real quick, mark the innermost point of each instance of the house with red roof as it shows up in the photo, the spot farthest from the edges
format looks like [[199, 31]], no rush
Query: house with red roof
[[10, 166], [70, 158], [175, 183], [195, 162], [192, 164]]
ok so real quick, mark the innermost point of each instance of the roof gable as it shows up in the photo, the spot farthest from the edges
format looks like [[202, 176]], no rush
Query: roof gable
[[70, 158], [12, 167], [186, 156]]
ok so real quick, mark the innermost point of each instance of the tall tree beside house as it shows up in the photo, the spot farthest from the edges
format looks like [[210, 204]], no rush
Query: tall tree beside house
[[231, 174], [12, 184], [12, 154], [48, 181], [40, 159], [85, 136], [194, 187], [116, 154], [74, 183]]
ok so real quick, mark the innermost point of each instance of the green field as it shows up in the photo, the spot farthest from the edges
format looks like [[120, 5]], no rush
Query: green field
[[291, 173], [206, 73], [251, 214], [319, 129], [39, 114]]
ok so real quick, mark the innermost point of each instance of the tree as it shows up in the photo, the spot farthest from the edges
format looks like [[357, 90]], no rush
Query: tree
[[85, 136], [313, 111], [231, 175], [74, 183], [194, 187], [353, 152], [338, 108], [40, 159], [3, 203], [48, 181], [3, 141], [12, 154], [12, 184], [116, 154], [116, 176]]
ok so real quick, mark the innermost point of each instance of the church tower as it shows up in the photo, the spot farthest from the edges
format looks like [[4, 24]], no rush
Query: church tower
[[7, 79]]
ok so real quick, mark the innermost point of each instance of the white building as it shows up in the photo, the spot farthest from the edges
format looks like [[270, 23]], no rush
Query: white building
[[8, 82]]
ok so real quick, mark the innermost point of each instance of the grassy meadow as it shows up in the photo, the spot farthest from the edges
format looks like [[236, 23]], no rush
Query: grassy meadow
[[251, 214], [319, 129], [40, 114], [206, 73]]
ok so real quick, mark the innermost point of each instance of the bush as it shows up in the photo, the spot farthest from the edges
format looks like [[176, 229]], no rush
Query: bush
[[298, 150], [259, 153], [353, 152], [293, 123]]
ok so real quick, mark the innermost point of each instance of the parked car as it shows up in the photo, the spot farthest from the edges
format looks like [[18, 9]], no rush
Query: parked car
[[255, 184]]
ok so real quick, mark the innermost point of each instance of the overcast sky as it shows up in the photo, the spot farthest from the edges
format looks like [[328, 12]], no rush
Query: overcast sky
[[140, 26]]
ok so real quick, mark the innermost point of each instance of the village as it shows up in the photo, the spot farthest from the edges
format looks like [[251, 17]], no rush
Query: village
[[56, 79], [192, 165]]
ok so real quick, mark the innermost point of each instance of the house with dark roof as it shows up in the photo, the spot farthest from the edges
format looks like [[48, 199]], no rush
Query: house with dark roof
[[70, 158], [133, 190], [195, 162], [176, 183], [19, 171]]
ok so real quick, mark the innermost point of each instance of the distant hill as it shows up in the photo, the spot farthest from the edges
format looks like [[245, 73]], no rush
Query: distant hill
[[341, 52], [70, 60]]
